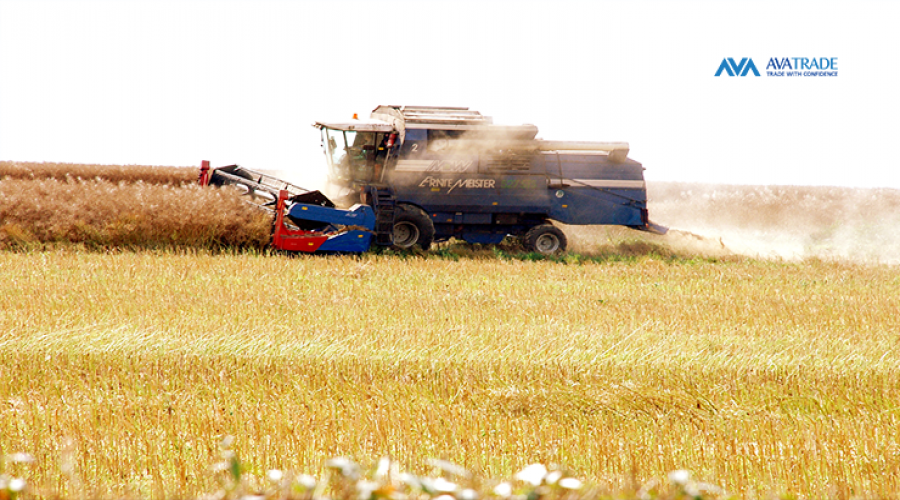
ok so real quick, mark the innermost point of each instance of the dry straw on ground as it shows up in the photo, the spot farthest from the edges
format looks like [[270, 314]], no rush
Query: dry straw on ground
[[759, 376], [792, 222], [780, 222]]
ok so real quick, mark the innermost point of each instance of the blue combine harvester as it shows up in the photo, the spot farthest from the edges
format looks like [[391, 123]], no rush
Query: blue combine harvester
[[416, 175]]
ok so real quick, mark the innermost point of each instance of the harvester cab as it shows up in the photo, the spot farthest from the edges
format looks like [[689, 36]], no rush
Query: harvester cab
[[356, 153], [411, 175]]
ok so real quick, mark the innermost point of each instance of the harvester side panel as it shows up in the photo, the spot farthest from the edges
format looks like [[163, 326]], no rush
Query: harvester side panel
[[516, 191]]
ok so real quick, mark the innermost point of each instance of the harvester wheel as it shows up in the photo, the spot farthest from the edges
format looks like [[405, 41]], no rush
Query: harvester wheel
[[412, 227], [545, 239]]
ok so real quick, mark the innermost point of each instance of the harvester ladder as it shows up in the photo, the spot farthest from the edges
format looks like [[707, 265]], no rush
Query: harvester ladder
[[383, 202]]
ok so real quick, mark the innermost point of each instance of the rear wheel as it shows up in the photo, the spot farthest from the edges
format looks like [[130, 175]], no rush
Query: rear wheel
[[412, 227], [545, 239]]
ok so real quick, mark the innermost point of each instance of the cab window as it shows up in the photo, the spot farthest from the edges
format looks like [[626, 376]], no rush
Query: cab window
[[350, 154]]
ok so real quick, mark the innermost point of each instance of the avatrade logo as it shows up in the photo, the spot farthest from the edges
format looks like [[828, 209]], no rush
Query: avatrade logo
[[737, 69], [802, 66], [781, 66]]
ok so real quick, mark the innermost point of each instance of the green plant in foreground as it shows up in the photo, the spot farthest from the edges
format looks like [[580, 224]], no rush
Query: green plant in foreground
[[12, 487], [346, 480]]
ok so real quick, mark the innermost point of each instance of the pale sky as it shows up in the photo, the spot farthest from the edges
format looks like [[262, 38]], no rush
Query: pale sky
[[177, 82]]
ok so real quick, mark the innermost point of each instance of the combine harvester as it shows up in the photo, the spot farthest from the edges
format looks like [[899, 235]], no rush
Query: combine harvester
[[415, 175]]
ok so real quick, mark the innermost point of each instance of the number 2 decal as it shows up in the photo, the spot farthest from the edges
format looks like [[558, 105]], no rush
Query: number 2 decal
[[415, 147]]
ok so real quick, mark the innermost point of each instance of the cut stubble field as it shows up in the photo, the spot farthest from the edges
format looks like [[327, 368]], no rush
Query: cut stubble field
[[760, 376]]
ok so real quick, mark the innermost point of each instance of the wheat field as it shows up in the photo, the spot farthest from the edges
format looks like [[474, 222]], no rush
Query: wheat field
[[759, 376], [123, 367]]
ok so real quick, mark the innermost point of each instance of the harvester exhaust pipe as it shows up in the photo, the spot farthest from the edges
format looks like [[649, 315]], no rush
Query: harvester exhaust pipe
[[617, 151], [582, 146]]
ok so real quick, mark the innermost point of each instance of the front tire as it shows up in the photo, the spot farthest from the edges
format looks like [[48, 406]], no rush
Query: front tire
[[412, 227], [545, 239]]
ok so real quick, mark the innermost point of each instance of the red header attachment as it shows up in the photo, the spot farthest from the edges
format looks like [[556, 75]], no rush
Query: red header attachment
[[295, 240]]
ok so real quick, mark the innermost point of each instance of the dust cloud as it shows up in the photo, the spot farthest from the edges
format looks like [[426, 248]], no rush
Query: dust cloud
[[787, 222]]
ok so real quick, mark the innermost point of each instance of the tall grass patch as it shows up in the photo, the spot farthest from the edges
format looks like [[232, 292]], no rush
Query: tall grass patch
[[177, 176], [99, 213]]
